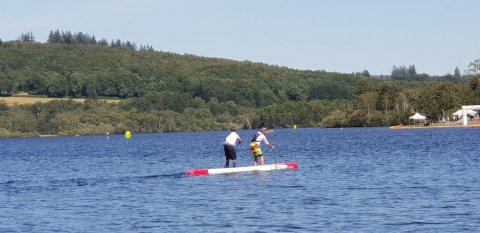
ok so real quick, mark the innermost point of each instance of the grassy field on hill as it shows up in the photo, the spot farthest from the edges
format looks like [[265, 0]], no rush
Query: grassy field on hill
[[18, 100]]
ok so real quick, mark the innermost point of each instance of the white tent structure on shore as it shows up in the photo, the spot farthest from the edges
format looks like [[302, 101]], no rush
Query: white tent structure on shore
[[469, 112], [465, 108], [418, 118]]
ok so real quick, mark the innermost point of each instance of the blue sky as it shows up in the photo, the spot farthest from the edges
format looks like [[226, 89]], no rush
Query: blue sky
[[333, 35]]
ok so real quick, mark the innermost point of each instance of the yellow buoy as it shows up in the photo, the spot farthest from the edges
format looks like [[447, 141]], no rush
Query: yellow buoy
[[295, 126], [128, 134]]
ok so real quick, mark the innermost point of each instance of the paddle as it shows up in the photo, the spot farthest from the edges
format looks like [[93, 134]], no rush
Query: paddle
[[275, 158]]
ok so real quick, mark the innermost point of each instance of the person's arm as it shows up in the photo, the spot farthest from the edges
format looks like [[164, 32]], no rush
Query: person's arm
[[265, 140], [271, 145]]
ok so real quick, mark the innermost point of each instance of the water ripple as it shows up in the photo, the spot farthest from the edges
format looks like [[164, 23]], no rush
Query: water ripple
[[349, 180]]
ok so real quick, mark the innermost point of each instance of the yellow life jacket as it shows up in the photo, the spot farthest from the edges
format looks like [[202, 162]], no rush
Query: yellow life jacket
[[255, 148]]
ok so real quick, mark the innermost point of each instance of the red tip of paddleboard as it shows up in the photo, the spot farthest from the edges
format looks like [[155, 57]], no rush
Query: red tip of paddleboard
[[293, 165], [197, 172]]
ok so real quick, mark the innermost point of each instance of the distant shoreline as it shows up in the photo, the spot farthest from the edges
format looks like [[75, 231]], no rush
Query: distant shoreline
[[437, 125]]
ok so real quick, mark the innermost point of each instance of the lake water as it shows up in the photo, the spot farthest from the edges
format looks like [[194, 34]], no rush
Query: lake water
[[349, 180]]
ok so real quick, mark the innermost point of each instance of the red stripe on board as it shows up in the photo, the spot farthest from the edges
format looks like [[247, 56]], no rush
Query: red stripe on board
[[293, 165], [197, 172]]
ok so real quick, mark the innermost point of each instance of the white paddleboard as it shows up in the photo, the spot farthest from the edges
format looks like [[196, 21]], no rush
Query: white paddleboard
[[270, 167]]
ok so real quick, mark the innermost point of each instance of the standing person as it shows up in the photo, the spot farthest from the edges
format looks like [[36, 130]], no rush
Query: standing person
[[229, 147], [255, 145]]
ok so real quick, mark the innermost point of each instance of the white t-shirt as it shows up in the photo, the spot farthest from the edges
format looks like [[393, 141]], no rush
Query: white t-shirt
[[232, 139], [261, 138]]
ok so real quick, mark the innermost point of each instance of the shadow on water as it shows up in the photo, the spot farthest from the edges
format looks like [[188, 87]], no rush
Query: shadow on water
[[18, 186], [172, 175]]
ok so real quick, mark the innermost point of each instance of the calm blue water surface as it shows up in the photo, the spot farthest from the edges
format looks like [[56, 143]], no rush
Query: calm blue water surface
[[349, 180]]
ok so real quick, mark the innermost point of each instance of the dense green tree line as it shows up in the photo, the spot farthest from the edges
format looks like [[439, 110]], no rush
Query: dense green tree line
[[163, 92], [384, 102], [94, 71], [60, 117]]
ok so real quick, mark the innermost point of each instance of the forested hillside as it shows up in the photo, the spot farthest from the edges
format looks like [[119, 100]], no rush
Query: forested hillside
[[162, 91], [91, 71]]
